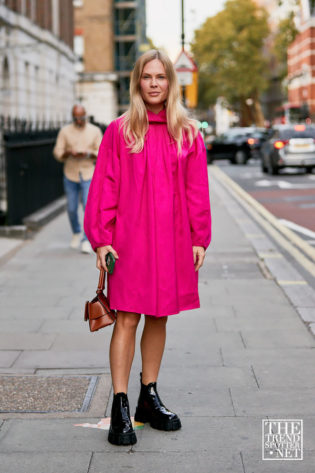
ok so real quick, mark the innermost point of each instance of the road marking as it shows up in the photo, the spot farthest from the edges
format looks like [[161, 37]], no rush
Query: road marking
[[270, 255], [265, 183], [297, 228], [283, 235], [283, 184], [292, 283]]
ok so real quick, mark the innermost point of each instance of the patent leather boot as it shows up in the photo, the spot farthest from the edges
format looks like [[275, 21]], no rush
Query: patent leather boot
[[121, 431], [151, 409]]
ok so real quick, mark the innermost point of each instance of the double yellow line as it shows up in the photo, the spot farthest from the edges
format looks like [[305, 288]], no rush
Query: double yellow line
[[303, 253]]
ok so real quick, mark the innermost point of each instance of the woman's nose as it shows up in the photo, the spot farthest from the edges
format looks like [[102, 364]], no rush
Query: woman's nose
[[153, 82]]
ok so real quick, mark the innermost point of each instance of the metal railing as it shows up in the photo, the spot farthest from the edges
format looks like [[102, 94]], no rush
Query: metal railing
[[29, 176]]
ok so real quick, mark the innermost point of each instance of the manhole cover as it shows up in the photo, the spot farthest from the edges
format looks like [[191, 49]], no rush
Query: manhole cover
[[46, 393]]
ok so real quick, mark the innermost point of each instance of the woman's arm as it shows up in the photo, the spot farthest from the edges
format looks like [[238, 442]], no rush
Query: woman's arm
[[197, 194], [102, 202]]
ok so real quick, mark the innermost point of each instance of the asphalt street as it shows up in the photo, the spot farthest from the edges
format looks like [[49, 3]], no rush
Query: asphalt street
[[290, 195]]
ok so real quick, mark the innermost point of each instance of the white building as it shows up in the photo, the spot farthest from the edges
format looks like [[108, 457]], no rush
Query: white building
[[37, 74]]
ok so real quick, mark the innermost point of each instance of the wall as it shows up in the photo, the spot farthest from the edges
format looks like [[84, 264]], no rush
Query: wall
[[36, 66]]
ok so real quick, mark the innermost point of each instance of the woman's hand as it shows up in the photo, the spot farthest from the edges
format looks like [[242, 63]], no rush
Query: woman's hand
[[101, 253], [199, 256]]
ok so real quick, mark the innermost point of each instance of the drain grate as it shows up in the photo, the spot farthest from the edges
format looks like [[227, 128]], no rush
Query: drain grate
[[44, 394]]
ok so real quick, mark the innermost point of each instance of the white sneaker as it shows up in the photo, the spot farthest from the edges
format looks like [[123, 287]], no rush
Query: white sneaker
[[86, 247], [75, 242]]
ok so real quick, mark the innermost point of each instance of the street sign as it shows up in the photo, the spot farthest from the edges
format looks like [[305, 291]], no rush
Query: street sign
[[185, 77], [187, 73], [185, 66]]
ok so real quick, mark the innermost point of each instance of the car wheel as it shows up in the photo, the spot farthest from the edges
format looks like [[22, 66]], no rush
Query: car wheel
[[272, 169], [209, 159], [263, 166], [240, 157]]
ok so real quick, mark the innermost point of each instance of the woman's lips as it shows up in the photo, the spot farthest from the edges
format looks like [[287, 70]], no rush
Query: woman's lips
[[154, 94]]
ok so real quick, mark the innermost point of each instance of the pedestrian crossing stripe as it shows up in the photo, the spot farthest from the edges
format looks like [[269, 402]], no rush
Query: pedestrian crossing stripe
[[270, 255], [292, 283]]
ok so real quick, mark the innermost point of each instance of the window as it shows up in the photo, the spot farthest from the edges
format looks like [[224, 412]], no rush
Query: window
[[78, 47]]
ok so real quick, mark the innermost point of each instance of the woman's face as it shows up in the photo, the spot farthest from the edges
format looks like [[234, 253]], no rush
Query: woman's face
[[154, 85]]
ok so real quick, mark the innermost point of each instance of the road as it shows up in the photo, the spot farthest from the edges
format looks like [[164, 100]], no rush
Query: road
[[290, 196]]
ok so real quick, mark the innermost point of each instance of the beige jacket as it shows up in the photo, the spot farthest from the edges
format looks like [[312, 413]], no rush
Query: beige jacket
[[82, 140]]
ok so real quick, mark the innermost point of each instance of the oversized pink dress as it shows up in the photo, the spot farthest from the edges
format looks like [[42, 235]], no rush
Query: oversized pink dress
[[152, 207]]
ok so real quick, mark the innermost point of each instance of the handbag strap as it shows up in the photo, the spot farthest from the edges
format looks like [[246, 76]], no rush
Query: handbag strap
[[101, 281]]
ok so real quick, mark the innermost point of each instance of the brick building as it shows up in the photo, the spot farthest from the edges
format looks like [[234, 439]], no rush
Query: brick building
[[93, 45], [109, 35], [36, 59], [301, 62], [273, 98]]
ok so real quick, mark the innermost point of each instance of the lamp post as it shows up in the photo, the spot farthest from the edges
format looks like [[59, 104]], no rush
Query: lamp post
[[183, 47], [183, 26]]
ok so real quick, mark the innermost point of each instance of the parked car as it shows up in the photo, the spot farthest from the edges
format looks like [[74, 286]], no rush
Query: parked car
[[238, 144], [289, 146]]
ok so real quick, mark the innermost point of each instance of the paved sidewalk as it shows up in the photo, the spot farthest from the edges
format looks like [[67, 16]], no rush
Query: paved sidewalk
[[246, 355]]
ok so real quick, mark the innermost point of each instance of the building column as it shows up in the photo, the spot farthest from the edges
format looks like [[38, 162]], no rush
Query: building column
[[55, 17]]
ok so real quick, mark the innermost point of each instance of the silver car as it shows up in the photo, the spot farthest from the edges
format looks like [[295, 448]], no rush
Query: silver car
[[289, 146]]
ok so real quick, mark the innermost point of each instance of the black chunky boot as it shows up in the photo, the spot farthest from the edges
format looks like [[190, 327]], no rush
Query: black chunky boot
[[121, 431], [151, 409]]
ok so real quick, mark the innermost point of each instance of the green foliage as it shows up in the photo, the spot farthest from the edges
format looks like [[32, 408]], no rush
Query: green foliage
[[228, 48]]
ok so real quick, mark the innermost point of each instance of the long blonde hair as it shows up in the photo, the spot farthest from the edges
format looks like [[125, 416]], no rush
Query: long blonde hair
[[135, 120]]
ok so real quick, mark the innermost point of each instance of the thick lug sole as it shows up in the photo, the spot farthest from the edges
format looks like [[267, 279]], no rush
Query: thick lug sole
[[122, 439], [163, 424]]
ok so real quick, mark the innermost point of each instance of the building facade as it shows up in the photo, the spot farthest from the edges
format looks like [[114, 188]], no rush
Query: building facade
[[94, 49], [36, 59], [130, 42], [275, 95], [37, 75], [109, 36], [301, 62]]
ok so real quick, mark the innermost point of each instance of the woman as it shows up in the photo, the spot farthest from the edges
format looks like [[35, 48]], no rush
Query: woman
[[149, 205]]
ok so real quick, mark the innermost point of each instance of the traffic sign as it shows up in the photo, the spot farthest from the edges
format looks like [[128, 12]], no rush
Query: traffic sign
[[185, 66]]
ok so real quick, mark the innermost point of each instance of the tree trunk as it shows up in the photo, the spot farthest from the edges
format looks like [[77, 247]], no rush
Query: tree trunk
[[259, 116], [245, 119]]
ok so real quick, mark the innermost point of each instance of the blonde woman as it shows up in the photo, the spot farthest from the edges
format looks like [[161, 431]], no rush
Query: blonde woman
[[148, 204]]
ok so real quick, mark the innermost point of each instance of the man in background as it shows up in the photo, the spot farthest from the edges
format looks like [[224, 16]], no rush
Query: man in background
[[77, 147]]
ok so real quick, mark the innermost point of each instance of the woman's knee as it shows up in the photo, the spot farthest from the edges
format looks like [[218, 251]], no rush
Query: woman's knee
[[161, 321], [128, 320]]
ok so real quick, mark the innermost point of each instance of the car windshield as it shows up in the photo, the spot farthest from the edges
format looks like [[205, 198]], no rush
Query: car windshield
[[260, 134], [290, 133]]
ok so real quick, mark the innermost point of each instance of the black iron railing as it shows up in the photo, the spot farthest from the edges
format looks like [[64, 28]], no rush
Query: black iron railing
[[30, 177]]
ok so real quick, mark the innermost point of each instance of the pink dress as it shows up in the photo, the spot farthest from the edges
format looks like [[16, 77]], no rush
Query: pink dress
[[152, 207]]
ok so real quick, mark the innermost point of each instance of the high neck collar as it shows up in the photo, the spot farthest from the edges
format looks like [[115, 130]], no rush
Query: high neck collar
[[157, 117]]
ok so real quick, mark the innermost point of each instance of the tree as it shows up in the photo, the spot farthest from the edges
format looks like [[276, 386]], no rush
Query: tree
[[229, 50], [286, 34]]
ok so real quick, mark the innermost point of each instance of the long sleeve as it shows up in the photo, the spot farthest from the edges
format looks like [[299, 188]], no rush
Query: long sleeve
[[96, 142], [102, 202], [60, 146], [197, 194]]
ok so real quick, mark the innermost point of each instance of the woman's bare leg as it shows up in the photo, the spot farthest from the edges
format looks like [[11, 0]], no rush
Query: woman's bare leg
[[152, 347], [122, 349]]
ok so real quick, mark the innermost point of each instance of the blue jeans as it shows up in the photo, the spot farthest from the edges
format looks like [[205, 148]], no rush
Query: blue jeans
[[73, 191]]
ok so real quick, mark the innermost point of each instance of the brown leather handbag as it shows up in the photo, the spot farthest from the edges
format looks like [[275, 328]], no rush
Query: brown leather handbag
[[97, 311]]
